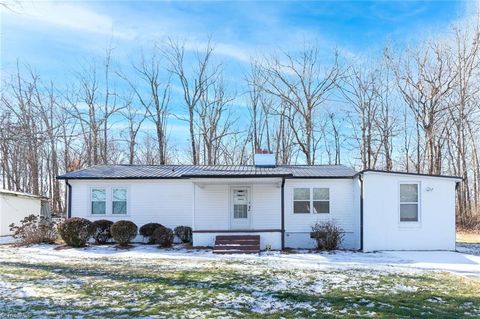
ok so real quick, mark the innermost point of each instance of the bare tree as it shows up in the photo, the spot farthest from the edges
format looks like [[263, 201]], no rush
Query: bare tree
[[214, 119], [425, 78], [154, 99], [194, 84], [303, 84]]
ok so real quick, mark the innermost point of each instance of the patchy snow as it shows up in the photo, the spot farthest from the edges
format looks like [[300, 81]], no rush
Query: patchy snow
[[85, 282], [389, 261], [5, 240], [469, 248]]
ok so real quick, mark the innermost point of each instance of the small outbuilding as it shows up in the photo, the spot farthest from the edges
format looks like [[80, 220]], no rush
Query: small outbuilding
[[15, 206]]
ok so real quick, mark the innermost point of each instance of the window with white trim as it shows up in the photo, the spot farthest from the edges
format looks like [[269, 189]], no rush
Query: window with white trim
[[119, 201], [98, 197], [311, 200], [321, 200], [301, 200], [409, 202]]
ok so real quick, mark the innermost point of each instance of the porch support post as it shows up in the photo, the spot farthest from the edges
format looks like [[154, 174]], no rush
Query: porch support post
[[69, 199], [282, 234], [193, 206]]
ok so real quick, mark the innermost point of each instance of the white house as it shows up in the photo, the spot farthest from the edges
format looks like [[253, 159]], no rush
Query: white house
[[15, 206], [377, 210]]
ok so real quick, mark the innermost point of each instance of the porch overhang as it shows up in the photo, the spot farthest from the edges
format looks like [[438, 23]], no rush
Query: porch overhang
[[202, 182]]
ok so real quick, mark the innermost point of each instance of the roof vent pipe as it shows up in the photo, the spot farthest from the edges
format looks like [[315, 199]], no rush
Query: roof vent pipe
[[264, 158]]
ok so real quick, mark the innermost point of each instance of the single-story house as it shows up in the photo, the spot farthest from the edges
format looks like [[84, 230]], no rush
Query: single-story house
[[15, 206], [377, 210]]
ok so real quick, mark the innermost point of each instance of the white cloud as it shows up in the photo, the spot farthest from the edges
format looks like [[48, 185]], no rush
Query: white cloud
[[221, 48], [69, 15]]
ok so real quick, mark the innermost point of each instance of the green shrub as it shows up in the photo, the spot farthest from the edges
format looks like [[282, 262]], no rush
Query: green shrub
[[163, 236], [184, 233], [102, 234], [147, 231], [123, 232], [328, 235], [34, 229], [76, 231]]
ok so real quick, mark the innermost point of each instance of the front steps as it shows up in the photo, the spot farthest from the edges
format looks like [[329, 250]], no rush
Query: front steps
[[237, 244]]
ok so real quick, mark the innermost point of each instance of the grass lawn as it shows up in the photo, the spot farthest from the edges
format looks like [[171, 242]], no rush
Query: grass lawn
[[41, 282], [468, 237]]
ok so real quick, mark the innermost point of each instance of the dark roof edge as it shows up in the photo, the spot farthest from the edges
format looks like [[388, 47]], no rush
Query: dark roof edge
[[406, 173], [63, 177], [289, 176]]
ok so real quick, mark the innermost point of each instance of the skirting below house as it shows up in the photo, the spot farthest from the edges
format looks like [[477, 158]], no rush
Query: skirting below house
[[303, 240]]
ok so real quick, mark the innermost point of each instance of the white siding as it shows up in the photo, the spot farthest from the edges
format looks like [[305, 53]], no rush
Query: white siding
[[266, 206], [344, 210], [15, 208], [382, 227], [211, 207], [168, 202], [213, 211]]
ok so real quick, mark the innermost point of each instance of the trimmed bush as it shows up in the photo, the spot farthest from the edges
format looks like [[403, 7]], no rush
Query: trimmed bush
[[34, 229], [123, 232], [184, 233], [102, 234], [76, 231], [328, 235], [163, 236], [147, 231]]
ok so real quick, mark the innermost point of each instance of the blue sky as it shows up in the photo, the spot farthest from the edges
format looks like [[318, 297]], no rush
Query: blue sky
[[54, 35], [57, 37]]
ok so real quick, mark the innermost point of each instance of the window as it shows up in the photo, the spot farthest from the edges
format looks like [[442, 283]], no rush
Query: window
[[301, 200], [409, 202], [308, 200], [119, 201], [321, 200], [240, 203], [99, 201]]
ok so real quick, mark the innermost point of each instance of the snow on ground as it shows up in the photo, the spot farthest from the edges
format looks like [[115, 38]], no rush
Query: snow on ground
[[4, 240], [391, 261], [46, 281], [469, 248]]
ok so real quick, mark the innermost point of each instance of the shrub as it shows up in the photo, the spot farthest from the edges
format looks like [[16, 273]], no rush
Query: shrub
[[184, 233], [76, 231], [163, 236], [34, 229], [147, 231], [123, 232], [328, 235], [102, 231]]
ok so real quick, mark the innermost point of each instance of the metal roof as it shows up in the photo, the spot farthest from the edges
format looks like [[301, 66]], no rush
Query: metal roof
[[20, 194], [408, 173], [212, 171]]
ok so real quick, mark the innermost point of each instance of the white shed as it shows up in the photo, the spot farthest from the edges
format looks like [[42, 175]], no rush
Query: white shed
[[15, 206]]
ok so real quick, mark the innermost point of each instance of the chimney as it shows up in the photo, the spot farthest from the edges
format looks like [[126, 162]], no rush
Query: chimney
[[264, 158]]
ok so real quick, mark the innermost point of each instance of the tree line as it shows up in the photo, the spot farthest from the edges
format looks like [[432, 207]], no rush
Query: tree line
[[411, 109]]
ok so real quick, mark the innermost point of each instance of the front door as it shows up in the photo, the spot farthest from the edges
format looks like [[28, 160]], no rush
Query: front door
[[240, 210]]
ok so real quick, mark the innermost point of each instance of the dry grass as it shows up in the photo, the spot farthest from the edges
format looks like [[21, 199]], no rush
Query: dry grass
[[470, 237]]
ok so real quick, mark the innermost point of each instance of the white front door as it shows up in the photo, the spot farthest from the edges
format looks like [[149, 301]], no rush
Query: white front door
[[240, 208]]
